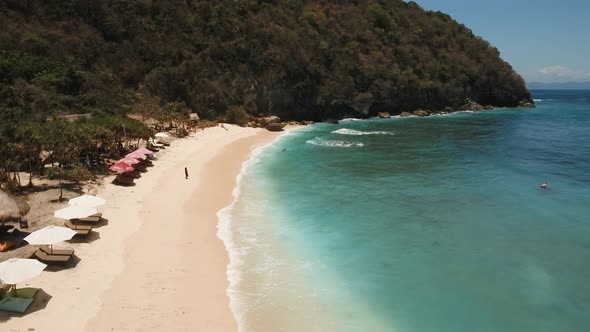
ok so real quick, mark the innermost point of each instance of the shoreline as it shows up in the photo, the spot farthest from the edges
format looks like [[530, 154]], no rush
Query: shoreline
[[158, 263]]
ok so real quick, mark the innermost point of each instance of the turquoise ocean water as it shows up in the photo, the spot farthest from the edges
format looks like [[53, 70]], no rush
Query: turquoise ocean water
[[418, 224]]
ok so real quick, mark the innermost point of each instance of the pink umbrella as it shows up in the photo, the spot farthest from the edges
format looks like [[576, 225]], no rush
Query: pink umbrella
[[144, 151], [136, 155], [121, 167], [128, 161]]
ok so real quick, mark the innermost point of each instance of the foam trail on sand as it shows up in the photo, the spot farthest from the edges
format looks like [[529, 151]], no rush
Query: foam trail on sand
[[236, 253]]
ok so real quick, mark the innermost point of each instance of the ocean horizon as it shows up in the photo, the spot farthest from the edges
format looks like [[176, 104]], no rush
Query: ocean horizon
[[418, 224]]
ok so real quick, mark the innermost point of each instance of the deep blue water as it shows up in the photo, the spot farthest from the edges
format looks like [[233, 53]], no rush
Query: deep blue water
[[420, 224]]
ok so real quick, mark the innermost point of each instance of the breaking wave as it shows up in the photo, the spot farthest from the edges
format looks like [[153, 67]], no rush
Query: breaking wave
[[349, 119], [333, 143], [346, 131]]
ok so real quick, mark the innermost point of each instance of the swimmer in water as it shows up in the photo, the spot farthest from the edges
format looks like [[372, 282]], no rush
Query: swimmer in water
[[544, 185]]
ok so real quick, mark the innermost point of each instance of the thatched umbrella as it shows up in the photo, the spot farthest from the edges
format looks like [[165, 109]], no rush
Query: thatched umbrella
[[12, 207]]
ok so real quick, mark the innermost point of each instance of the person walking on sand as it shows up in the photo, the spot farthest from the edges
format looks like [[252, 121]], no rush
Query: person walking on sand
[[185, 173]]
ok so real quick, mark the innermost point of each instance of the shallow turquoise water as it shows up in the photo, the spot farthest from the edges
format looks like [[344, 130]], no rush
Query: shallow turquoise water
[[419, 224]]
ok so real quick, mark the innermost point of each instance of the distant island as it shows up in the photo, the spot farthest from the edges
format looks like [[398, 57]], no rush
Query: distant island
[[295, 59], [559, 86]]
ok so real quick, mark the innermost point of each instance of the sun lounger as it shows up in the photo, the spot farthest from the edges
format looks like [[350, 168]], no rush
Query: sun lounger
[[15, 304], [52, 251], [132, 174], [51, 259], [92, 219], [145, 163], [80, 229], [139, 167], [155, 144], [20, 304], [124, 180]]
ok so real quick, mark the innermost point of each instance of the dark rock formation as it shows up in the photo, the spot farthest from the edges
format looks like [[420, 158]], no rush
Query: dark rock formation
[[262, 122], [405, 114], [471, 105], [421, 112], [275, 126], [526, 104]]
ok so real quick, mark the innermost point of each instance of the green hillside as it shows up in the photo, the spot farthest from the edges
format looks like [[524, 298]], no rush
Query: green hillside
[[296, 59]]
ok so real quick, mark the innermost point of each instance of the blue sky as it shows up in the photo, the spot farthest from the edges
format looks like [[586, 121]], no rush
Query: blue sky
[[545, 41]]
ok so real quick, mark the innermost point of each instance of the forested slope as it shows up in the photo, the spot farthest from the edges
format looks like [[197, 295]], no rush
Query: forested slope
[[296, 59]]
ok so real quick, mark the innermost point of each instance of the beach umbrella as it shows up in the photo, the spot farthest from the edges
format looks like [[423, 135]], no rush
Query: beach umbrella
[[128, 161], [50, 235], [87, 200], [16, 270], [121, 167], [144, 151], [74, 212], [162, 135], [12, 207], [136, 155]]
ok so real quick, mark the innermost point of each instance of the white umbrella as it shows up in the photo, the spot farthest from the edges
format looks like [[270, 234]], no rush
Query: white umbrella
[[164, 135], [74, 212], [50, 235], [15, 270], [87, 201]]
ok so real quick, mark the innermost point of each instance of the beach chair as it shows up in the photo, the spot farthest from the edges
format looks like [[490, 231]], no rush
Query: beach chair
[[90, 219], [80, 229], [145, 163], [52, 251], [124, 180], [140, 167], [163, 142], [155, 144], [132, 174], [19, 301], [51, 259]]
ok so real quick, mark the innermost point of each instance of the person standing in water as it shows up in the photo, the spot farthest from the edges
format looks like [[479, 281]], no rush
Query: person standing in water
[[185, 173]]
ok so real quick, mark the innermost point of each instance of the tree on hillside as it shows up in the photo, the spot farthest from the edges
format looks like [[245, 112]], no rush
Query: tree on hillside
[[296, 59]]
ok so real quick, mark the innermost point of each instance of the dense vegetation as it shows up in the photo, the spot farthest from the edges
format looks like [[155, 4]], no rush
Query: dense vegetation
[[225, 60]]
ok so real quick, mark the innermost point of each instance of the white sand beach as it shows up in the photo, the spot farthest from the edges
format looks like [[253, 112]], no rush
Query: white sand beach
[[157, 265]]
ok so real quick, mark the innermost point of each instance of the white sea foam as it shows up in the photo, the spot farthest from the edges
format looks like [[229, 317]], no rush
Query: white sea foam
[[225, 233], [537, 100], [333, 143], [346, 131], [349, 119]]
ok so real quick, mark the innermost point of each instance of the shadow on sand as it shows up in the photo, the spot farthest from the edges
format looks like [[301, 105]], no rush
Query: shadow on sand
[[72, 263]]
